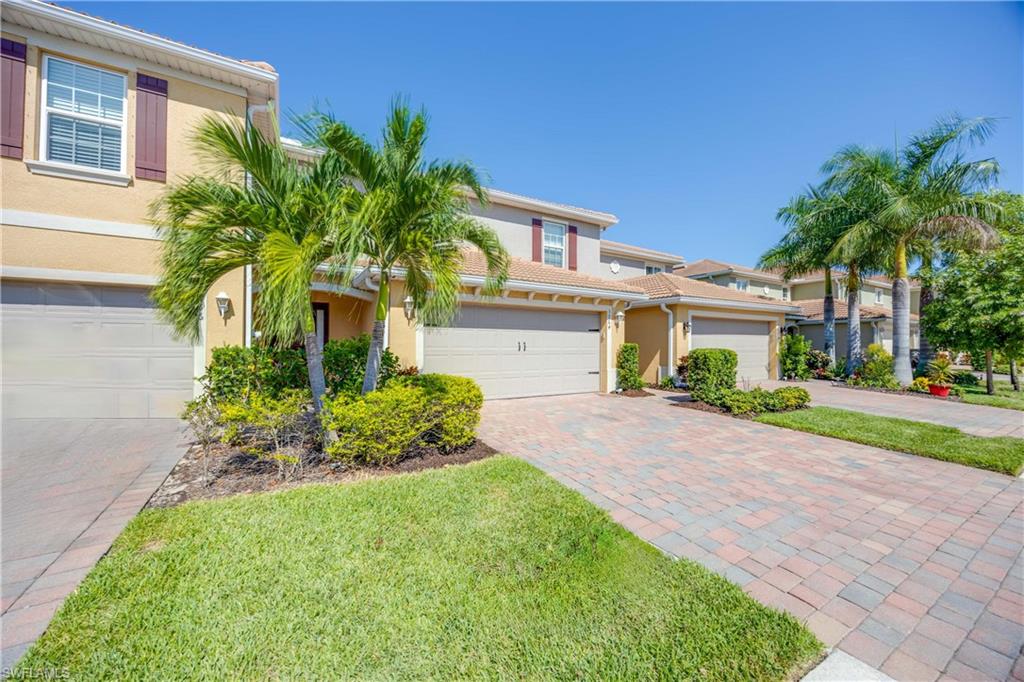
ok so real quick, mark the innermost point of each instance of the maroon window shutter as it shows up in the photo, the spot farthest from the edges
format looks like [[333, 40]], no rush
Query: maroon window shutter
[[538, 240], [12, 98], [151, 128], [573, 233]]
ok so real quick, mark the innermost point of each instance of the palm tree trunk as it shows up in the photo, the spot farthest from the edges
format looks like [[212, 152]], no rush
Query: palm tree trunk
[[377, 337], [829, 317], [1014, 379], [314, 362], [853, 352], [901, 319], [926, 352], [990, 383]]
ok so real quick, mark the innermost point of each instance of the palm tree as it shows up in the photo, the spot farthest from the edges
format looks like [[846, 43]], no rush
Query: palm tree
[[925, 191], [805, 248], [405, 217], [255, 206]]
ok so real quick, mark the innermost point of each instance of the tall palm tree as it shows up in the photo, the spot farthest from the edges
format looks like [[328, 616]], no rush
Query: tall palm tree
[[406, 217], [806, 248], [254, 206], [926, 190]]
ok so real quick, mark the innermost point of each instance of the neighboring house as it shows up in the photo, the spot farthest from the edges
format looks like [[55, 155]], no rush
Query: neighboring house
[[624, 261], [808, 292], [683, 314]]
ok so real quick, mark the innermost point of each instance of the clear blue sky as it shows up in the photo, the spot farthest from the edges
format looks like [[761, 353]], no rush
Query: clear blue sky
[[691, 122]]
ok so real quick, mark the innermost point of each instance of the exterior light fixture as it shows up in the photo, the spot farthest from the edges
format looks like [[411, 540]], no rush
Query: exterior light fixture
[[223, 302], [619, 318], [410, 308], [686, 327]]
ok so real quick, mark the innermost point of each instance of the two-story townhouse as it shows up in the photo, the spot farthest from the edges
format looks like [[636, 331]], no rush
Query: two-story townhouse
[[808, 293], [97, 118]]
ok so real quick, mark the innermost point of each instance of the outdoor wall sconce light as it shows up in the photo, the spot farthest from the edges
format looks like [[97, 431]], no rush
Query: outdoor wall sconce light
[[686, 327], [223, 303], [619, 318], [410, 308]]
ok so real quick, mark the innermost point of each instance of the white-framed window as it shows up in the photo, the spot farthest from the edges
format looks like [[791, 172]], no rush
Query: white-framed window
[[554, 244], [742, 284], [84, 112], [653, 269], [785, 293], [878, 295]]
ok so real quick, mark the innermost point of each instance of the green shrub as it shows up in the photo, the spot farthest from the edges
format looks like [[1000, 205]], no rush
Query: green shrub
[[345, 364], [819, 364], [628, 367], [839, 369], [965, 378], [667, 382], [877, 369], [379, 427], [455, 404], [791, 398], [711, 369], [384, 425], [276, 429], [683, 368], [794, 351], [738, 401], [919, 385]]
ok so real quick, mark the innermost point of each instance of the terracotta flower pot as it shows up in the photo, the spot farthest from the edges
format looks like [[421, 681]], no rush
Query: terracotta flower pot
[[941, 391]]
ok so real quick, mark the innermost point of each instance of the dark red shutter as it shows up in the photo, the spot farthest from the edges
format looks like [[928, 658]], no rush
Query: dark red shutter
[[573, 234], [538, 240], [151, 128], [12, 98]]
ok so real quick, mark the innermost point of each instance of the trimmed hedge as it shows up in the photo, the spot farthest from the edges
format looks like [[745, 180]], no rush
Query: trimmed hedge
[[628, 367], [711, 370], [758, 400], [235, 372], [384, 425]]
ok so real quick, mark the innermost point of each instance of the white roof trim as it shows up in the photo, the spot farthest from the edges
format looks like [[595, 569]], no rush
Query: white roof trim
[[598, 218], [641, 252], [88, 30], [720, 303]]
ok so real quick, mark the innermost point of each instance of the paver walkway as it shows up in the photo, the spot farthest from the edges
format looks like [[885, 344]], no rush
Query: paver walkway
[[981, 420], [69, 488], [909, 564]]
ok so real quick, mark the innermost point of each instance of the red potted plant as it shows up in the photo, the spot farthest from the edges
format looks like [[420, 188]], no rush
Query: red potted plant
[[940, 376]]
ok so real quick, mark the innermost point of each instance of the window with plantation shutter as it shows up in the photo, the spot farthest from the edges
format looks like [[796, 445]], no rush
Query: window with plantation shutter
[[151, 128], [83, 121]]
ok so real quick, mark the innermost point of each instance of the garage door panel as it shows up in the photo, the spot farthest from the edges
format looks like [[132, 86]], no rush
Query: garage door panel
[[81, 351], [749, 338], [514, 352]]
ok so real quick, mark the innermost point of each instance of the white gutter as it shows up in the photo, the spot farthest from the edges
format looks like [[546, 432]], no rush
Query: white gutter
[[671, 337], [719, 303]]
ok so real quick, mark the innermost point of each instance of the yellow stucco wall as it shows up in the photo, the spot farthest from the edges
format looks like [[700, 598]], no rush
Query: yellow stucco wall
[[31, 247], [347, 316], [230, 329]]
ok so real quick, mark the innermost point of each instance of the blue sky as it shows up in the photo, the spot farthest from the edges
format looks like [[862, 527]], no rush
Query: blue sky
[[691, 122]]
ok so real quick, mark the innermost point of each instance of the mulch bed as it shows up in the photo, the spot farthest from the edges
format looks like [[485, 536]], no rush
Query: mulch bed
[[633, 393], [895, 391], [233, 472], [692, 404]]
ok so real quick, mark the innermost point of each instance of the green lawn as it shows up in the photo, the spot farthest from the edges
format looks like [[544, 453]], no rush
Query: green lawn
[[489, 570], [1005, 396], [1005, 454]]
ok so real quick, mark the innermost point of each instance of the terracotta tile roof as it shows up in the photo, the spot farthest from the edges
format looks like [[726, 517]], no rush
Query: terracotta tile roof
[[664, 285], [706, 265], [528, 271], [814, 309]]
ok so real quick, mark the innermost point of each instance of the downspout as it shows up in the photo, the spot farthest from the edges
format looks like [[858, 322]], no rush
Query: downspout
[[671, 338], [247, 324]]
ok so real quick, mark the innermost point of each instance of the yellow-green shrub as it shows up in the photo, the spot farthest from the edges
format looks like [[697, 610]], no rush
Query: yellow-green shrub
[[455, 404], [379, 427]]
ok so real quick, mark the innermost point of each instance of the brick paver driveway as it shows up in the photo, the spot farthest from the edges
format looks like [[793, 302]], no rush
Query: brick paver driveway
[[911, 565], [981, 420], [69, 488]]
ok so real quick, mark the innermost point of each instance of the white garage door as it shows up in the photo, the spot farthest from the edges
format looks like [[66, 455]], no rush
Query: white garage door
[[748, 338], [74, 350], [514, 353]]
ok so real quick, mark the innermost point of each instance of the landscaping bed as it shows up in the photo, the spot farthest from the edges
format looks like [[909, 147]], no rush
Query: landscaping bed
[[489, 570], [234, 472], [1001, 454], [899, 391]]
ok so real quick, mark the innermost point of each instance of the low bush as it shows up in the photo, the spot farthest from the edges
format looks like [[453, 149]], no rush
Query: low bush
[[919, 385], [383, 426], [628, 367], [877, 369], [759, 400], [277, 429], [711, 370], [965, 378], [819, 364], [235, 372], [455, 404], [794, 351], [667, 382]]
